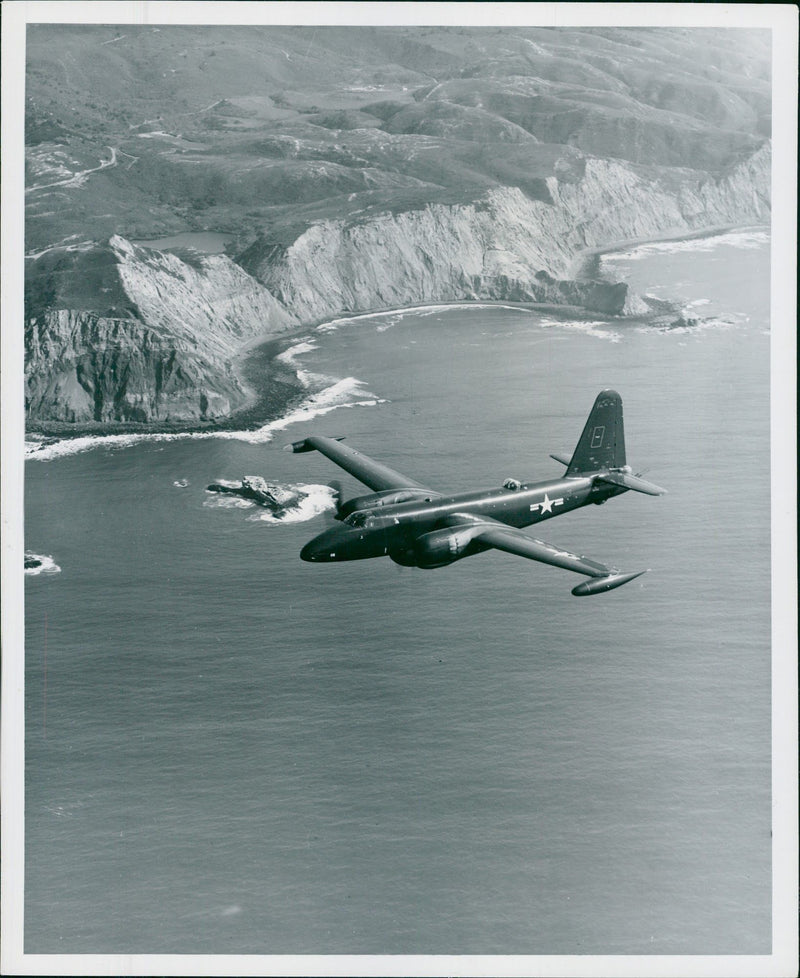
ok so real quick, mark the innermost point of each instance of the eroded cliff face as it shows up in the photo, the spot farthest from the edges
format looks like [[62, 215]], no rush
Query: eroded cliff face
[[169, 355], [212, 301], [84, 367], [163, 344], [505, 245]]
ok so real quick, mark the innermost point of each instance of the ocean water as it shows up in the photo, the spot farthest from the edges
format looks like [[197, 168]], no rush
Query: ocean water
[[229, 750]]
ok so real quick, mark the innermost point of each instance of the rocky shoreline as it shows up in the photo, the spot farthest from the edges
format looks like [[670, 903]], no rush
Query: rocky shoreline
[[277, 390], [175, 353], [275, 387]]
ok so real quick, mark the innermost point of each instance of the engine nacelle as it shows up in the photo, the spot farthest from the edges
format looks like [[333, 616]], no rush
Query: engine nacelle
[[405, 558], [441, 547], [388, 498]]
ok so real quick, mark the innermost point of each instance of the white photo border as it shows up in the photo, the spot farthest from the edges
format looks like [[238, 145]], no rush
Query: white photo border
[[782, 19]]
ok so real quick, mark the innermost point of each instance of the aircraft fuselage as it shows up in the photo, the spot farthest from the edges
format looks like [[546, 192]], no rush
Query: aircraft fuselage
[[419, 527], [393, 529]]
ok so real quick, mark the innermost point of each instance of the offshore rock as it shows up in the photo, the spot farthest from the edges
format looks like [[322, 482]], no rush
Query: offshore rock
[[269, 495]]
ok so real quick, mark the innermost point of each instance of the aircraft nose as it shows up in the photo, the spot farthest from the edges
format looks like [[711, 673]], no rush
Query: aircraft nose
[[310, 551], [322, 547]]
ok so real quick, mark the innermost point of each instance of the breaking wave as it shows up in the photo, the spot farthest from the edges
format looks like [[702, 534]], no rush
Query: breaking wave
[[394, 316], [289, 356], [46, 565], [347, 393], [315, 499], [744, 238], [597, 328], [47, 451], [694, 326]]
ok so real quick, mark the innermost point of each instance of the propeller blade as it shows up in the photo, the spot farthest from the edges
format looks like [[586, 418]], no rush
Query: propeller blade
[[330, 516], [337, 493]]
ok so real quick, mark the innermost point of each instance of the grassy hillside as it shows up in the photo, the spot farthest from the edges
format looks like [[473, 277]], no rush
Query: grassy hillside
[[146, 131]]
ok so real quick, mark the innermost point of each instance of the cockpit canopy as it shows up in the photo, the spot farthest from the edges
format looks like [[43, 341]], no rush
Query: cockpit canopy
[[513, 484], [359, 519]]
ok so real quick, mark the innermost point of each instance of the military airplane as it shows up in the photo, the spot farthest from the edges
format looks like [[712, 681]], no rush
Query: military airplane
[[419, 527]]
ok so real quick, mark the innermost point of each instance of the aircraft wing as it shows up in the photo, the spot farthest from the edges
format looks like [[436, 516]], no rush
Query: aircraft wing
[[373, 474], [513, 541]]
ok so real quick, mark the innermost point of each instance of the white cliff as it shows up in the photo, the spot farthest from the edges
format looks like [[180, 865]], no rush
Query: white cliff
[[504, 245]]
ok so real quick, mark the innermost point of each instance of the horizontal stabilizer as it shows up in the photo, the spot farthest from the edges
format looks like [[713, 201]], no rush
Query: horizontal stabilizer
[[629, 481], [597, 585], [561, 457]]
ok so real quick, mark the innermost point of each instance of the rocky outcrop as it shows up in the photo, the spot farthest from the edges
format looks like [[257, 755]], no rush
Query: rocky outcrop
[[169, 355], [504, 245], [277, 499]]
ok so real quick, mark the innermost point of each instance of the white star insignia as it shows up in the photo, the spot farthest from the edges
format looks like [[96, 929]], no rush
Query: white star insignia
[[546, 505]]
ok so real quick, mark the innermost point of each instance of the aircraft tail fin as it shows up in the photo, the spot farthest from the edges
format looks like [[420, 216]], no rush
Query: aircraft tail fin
[[602, 443]]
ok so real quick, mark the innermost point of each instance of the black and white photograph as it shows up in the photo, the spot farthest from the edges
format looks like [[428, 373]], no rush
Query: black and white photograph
[[399, 468]]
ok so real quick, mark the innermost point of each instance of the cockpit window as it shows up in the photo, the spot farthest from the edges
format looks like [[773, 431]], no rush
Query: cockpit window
[[357, 519], [513, 484]]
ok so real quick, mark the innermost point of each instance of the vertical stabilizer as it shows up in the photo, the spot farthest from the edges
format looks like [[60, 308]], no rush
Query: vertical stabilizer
[[602, 444]]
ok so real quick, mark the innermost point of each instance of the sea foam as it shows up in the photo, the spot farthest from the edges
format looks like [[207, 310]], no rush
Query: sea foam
[[744, 238], [394, 316], [290, 355], [597, 328], [346, 393], [47, 565], [695, 326], [314, 499]]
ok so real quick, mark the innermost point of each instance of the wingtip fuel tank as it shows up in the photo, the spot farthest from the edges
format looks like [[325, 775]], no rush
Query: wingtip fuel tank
[[599, 585]]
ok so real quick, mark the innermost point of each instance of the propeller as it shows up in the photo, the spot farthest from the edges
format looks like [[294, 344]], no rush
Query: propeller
[[330, 515]]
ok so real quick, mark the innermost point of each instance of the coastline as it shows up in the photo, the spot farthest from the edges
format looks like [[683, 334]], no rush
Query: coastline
[[589, 258], [277, 388]]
